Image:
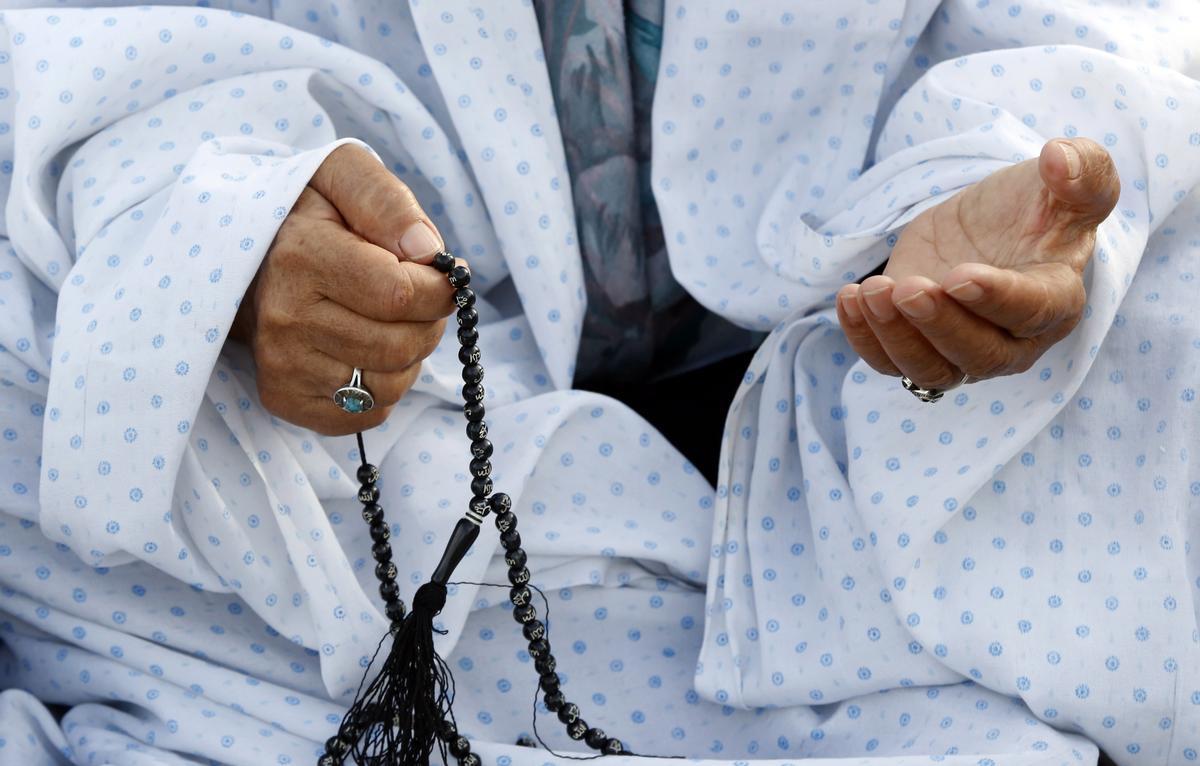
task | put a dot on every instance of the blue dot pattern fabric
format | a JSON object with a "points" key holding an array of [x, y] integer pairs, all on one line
{"points": [[1003, 578]]}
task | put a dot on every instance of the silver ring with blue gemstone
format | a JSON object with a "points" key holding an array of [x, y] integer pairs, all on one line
{"points": [[354, 396]]}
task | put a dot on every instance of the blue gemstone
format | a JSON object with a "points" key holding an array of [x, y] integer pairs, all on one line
{"points": [[352, 404]]}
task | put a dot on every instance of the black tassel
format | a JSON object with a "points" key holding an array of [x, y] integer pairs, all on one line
{"points": [[396, 719]]}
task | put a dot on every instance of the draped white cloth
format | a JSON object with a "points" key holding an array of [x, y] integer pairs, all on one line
{"points": [[1003, 578]]}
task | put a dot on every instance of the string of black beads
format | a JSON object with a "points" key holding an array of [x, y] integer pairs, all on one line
{"points": [[534, 630], [500, 505], [482, 503], [338, 746]]}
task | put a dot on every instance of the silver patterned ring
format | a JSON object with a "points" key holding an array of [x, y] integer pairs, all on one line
{"points": [[354, 396], [929, 395]]}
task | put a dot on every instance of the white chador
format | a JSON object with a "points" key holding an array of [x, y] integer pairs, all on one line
{"points": [[1004, 577]]}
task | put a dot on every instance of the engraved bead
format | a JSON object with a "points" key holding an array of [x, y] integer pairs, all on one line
{"points": [[460, 276], [481, 467], [381, 551], [469, 355], [533, 630], [472, 373], [481, 485], [501, 503], [468, 317], [479, 506], [519, 596], [464, 297], [569, 713], [510, 539], [524, 614], [595, 738], [555, 701], [472, 392], [515, 558], [380, 533], [468, 336], [443, 262], [368, 474], [477, 430], [372, 513]]}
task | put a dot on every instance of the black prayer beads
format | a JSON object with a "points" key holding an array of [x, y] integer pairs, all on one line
{"points": [[482, 504]]}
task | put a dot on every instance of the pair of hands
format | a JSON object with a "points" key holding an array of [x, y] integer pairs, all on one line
{"points": [[979, 285]]}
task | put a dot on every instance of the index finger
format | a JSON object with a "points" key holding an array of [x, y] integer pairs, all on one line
{"points": [[1046, 298], [371, 282]]}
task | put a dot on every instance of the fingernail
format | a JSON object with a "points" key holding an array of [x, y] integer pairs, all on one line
{"points": [[850, 308], [879, 302], [919, 305], [420, 241], [1072, 158], [966, 291]]}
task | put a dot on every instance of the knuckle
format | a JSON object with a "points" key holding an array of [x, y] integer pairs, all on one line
{"points": [[399, 383], [308, 198], [1076, 300], [995, 360], [342, 153], [933, 373], [400, 197], [336, 160], [944, 378], [1023, 363], [275, 319], [862, 340], [883, 368], [1036, 323], [401, 293], [291, 247], [386, 389], [395, 352]]}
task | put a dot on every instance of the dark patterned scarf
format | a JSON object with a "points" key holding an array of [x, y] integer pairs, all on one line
{"points": [[602, 56]]}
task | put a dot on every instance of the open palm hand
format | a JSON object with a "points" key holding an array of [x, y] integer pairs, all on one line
{"points": [[984, 283]]}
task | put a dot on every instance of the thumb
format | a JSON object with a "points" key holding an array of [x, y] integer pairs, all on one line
{"points": [[1081, 178], [376, 205]]}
